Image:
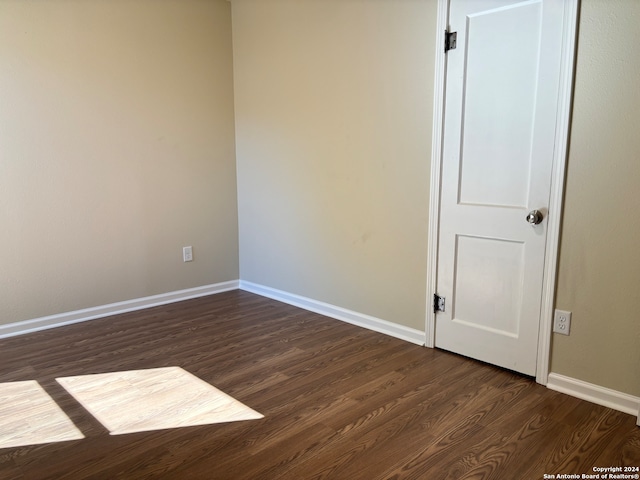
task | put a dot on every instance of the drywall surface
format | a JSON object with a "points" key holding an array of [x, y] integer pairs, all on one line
{"points": [[599, 270], [333, 127], [116, 150]]}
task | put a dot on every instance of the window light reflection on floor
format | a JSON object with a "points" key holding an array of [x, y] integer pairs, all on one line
{"points": [[154, 399], [29, 416], [124, 402]]}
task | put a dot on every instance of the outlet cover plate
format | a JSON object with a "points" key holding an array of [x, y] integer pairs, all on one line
{"points": [[562, 322]]}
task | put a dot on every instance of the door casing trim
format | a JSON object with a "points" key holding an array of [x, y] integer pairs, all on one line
{"points": [[563, 124]]}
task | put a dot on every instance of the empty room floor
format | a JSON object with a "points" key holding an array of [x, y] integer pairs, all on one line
{"points": [[312, 397]]}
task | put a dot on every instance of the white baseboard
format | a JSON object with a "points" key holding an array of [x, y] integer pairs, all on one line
{"points": [[360, 319], [51, 321], [586, 391], [606, 397]]}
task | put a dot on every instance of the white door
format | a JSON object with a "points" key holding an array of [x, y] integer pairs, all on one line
{"points": [[501, 104]]}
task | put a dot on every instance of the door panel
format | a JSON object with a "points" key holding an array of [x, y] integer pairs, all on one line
{"points": [[500, 82], [487, 268], [500, 112]]}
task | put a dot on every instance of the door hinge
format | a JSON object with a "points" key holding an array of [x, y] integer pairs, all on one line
{"points": [[438, 303], [450, 40]]}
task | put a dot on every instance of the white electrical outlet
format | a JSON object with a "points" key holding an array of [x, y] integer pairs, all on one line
{"points": [[562, 322], [187, 254]]}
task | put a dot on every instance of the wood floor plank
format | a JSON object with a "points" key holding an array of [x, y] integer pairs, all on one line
{"points": [[10, 470], [340, 402]]}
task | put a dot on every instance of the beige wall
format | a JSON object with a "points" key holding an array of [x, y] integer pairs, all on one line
{"points": [[116, 150], [599, 275], [333, 126]]}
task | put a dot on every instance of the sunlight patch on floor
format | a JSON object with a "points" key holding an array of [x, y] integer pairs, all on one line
{"points": [[29, 416], [153, 399]]}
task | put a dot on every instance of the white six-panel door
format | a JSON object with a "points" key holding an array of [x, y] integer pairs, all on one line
{"points": [[501, 104]]}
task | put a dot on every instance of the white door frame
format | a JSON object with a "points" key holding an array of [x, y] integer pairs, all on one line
{"points": [[557, 179]]}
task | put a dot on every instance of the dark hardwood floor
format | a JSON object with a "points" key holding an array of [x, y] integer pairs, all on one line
{"points": [[340, 402]]}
